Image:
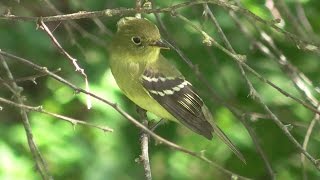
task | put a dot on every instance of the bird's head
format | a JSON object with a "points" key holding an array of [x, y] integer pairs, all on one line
{"points": [[138, 37]]}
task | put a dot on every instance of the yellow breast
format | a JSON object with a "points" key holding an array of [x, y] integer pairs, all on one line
{"points": [[127, 76]]}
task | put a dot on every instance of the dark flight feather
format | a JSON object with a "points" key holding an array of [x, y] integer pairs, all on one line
{"points": [[177, 96]]}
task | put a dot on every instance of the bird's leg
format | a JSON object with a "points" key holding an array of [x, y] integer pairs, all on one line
{"points": [[142, 112], [143, 118], [152, 125]]}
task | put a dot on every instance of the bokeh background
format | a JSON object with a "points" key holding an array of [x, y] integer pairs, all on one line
{"points": [[84, 153]]}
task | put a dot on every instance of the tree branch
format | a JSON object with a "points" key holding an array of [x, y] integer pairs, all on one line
{"points": [[73, 60], [40, 163], [40, 109], [300, 43], [305, 144], [144, 141]]}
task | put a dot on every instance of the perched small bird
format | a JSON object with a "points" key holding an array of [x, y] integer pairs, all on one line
{"points": [[151, 82]]}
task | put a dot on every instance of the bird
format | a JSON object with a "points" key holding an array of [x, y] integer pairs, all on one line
{"points": [[148, 79]]}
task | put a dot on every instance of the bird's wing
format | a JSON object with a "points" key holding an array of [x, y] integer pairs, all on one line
{"points": [[169, 88]]}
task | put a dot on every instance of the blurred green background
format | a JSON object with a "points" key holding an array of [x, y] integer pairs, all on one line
{"points": [[83, 152]]}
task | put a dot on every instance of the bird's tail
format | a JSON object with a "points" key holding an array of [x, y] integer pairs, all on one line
{"points": [[227, 141], [222, 135]]}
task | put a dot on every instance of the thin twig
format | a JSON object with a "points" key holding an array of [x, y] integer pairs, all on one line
{"points": [[298, 78], [292, 20], [303, 18], [73, 60], [77, 27], [305, 144], [31, 78], [40, 109], [138, 8], [102, 27], [40, 163], [259, 149]]}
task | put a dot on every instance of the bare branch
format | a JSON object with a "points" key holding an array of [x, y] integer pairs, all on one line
{"points": [[73, 121], [138, 8], [291, 19], [300, 43], [73, 60], [298, 78], [144, 141], [81, 30], [40, 163], [303, 18], [305, 144], [31, 78]]}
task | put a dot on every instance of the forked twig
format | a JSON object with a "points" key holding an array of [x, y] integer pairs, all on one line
{"points": [[73, 60]]}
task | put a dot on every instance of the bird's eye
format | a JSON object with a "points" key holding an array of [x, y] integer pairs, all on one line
{"points": [[136, 40]]}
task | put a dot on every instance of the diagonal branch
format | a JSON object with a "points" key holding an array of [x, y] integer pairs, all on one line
{"points": [[73, 60], [305, 144]]}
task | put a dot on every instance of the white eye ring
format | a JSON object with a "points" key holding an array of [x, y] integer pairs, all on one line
{"points": [[136, 40]]}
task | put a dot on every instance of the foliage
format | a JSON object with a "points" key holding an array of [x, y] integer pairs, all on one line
{"points": [[82, 152]]}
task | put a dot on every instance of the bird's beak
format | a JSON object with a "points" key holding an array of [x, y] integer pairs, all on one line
{"points": [[159, 43]]}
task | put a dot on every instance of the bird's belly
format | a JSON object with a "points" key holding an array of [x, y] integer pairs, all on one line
{"points": [[136, 93], [128, 82]]}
